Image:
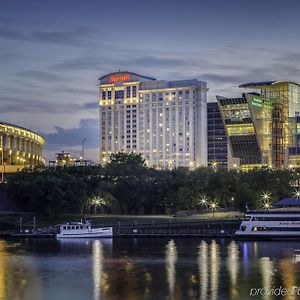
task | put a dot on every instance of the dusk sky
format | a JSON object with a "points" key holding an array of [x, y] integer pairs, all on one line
{"points": [[53, 52]]}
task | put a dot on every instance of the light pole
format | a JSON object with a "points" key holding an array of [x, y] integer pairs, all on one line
{"points": [[213, 207], [82, 152]]}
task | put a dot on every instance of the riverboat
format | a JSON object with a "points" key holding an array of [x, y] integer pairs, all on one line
{"points": [[83, 230], [270, 224]]}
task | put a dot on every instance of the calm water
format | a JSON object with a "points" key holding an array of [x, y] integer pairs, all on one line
{"points": [[129, 269]]}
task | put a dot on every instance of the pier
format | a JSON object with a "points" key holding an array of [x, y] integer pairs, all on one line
{"points": [[199, 228], [203, 228]]}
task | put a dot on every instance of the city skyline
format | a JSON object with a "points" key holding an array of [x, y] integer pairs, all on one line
{"points": [[52, 55]]}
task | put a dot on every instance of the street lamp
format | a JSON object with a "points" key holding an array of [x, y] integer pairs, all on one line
{"points": [[213, 206], [82, 152], [214, 165], [203, 200], [297, 194], [266, 196]]}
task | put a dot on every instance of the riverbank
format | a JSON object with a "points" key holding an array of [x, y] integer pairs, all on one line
{"points": [[153, 228]]}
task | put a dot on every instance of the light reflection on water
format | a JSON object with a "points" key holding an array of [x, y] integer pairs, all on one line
{"points": [[97, 268], [171, 259], [144, 269], [203, 269]]}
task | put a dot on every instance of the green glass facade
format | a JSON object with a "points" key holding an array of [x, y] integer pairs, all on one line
{"points": [[262, 127]]}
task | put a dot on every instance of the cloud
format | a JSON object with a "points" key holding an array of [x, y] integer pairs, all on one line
{"points": [[69, 37], [218, 78], [14, 105], [76, 90], [156, 61], [91, 105], [40, 75], [62, 37], [64, 138]]}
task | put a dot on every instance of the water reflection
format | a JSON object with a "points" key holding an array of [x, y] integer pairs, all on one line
{"points": [[3, 271], [267, 272], [203, 269], [145, 269], [97, 268], [18, 279], [287, 271], [214, 269], [209, 269], [233, 267], [171, 259]]}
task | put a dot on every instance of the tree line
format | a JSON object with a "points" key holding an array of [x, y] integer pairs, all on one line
{"points": [[127, 186]]}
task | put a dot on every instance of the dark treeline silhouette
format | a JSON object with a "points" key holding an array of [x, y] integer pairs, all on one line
{"points": [[127, 186]]}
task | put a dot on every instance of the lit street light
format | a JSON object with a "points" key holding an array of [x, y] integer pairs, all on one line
{"points": [[267, 206], [297, 194], [213, 206]]}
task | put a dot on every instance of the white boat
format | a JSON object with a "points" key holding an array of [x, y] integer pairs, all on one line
{"points": [[83, 230], [270, 224]]}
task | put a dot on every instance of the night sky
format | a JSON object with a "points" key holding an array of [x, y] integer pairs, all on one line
{"points": [[52, 53]]}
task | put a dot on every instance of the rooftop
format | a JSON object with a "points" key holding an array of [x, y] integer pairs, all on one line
{"points": [[263, 84]]}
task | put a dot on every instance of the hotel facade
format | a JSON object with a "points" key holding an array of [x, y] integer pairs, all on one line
{"points": [[165, 121], [263, 127]]}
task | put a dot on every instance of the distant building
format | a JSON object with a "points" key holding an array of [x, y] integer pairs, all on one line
{"points": [[165, 121], [263, 128], [19, 148], [65, 159], [217, 146]]}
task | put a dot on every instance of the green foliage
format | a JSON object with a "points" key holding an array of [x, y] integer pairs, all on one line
{"points": [[127, 186]]}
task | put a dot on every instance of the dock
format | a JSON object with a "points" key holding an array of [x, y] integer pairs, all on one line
{"points": [[175, 228]]}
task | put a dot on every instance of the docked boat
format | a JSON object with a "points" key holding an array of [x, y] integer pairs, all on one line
{"points": [[83, 230], [270, 224]]}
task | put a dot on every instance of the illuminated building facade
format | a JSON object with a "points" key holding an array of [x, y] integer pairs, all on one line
{"points": [[19, 148], [263, 128], [165, 121], [65, 159], [217, 146]]}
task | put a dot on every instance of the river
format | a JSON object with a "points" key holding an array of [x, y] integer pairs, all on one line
{"points": [[129, 269]]}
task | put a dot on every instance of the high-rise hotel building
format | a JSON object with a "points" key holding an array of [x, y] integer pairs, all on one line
{"points": [[165, 121]]}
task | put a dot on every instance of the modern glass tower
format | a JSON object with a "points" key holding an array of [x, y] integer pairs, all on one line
{"points": [[163, 120], [262, 127], [217, 146]]}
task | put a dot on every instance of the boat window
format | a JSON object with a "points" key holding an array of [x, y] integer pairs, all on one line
{"points": [[68, 227], [73, 227], [64, 227], [267, 218], [254, 228], [247, 218], [243, 227], [81, 226]]}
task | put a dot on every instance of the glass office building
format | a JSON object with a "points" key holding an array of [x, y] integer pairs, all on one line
{"points": [[217, 146], [262, 127]]}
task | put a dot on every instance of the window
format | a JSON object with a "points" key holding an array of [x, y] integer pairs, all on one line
{"points": [[128, 92], [119, 94], [134, 91], [103, 95], [109, 95]]}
